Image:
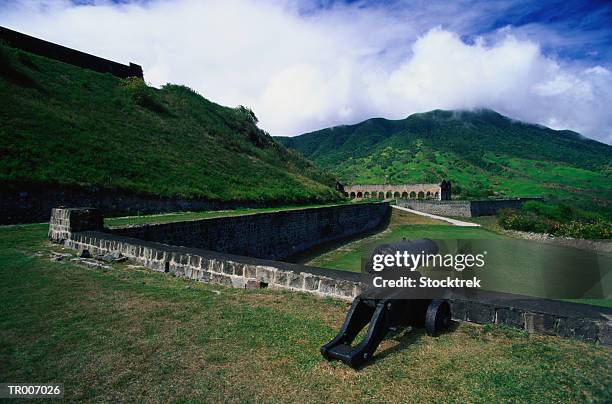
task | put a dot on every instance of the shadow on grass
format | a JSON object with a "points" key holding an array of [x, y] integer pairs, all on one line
{"points": [[405, 337]]}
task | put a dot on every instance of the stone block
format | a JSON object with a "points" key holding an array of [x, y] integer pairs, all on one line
{"points": [[584, 329], [228, 268], [295, 280], [459, 310], [254, 284], [510, 317], [250, 271], [540, 323], [265, 274], [327, 285], [239, 269], [345, 288], [480, 313], [238, 282], [221, 279], [311, 282], [605, 332], [281, 278]]}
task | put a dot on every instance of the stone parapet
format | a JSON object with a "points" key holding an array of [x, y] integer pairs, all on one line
{"points": [[65, 221]]}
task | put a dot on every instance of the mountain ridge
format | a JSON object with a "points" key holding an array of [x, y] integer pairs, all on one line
{"points": [[482, 152]]}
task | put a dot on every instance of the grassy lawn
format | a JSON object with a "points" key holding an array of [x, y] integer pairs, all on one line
{"points": [[130, 334]]}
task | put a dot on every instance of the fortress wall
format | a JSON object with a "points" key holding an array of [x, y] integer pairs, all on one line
{"points": [[275, 235], [463, 208], [565, 319], [33, 204], [67, 55], [441, 208]]}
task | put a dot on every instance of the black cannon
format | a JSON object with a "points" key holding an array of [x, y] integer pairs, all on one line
{"points": [[386, 313]]}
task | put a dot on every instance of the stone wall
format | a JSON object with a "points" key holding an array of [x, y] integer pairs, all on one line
{"points": [[65, 221], [441, 208], [276, 235], [463, 208], [31, 203], [231, 270], [565, 319], [67, 55]]}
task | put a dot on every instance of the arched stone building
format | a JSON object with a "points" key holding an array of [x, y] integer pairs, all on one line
{"points": [[441, 191]]}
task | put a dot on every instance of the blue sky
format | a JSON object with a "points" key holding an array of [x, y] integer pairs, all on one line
{"points": [[303, 65]]}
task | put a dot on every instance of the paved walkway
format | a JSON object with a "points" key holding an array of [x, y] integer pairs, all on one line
{"points": [[445, 219]]}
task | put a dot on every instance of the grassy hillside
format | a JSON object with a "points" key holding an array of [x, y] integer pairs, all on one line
{"points": [[61, 124], [483, 153]]}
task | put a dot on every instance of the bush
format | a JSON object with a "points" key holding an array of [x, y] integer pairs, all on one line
{"points": [[142, 94], [577, 229], [527, 220]]}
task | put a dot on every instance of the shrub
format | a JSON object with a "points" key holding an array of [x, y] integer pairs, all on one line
{"points": [[529, 221], [526, 221], [142, 94], [577, 229]]}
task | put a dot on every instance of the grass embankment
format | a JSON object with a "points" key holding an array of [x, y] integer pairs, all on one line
{"points": [[130, 334], [61, 124]]}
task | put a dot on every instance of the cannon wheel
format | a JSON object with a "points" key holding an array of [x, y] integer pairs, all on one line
{"points": [[438, 317]]}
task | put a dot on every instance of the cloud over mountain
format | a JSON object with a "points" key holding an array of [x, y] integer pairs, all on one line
{"points": [[302, 66]]}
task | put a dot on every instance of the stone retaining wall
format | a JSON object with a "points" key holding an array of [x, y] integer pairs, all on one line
{"points": [[275, 235], [463, 208], [31, 203], [544, 316]]}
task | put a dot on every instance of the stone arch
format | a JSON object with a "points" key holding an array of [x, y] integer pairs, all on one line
{"points": [[353, 195], [381, 195], [412, 195], [405, 195], [366, 195], [359, 194], [421, 195], [428, 195], [389, 195], [396, 194]]}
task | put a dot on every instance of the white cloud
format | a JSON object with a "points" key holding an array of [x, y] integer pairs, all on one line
{"points": [[302, 71]]}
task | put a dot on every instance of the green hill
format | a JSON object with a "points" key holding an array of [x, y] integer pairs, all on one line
{"points": [[483, 153], [60, 124]]}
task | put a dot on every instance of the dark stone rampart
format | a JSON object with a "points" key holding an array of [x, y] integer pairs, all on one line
{"points": [[71, 56]]}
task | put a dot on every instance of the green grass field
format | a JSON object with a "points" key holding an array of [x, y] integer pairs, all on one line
{"points": [[128, 334]]}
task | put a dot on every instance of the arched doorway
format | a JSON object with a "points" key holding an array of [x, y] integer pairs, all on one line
{"points": [[404, 195], [413, 195], [359, 194], [352, 195], [421, 195]]}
